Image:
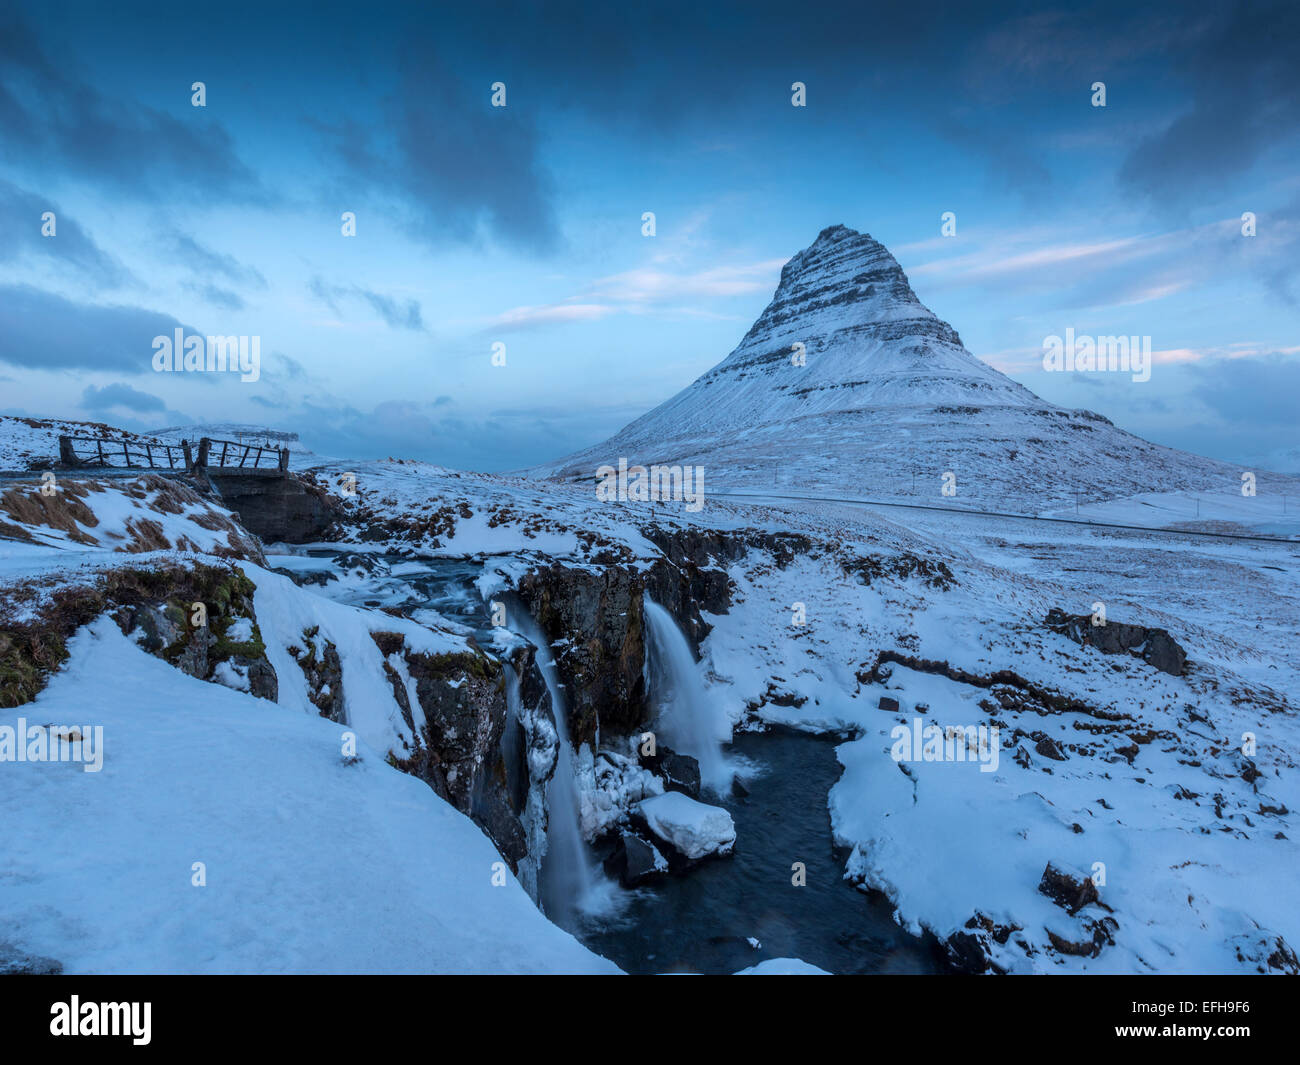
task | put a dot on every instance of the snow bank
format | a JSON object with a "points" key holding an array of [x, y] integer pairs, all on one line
{"points": [[311, 864]]}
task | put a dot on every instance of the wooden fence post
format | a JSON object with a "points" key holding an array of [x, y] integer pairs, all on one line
{"points": [[67, 456], [284, 459], [205, 445]]}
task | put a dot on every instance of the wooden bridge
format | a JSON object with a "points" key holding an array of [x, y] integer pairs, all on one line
{"points": [[211, 456]]}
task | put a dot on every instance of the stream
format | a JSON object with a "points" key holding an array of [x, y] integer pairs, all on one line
{"points": [[728, 913], [703, 922]]}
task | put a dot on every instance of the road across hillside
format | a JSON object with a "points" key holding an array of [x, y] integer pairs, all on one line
{"points": [[962, 511]]}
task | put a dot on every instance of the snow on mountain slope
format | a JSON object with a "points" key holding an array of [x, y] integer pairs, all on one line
{"points": [[887, 394], [312, 864]]}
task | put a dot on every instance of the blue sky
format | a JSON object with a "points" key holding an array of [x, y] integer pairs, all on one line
{"points": [[522, 225]]}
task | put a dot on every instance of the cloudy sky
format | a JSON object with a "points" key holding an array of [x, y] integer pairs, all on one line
{"points": [[522, 225]]}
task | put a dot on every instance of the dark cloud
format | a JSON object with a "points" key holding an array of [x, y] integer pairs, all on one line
{"points": [[1241, 76], [71, 245], [45, 331], [120, 395], [403, 314], [47, 113], [465, 168]]}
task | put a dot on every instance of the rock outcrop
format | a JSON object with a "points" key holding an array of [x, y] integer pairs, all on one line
{"points": [[596, 617], [1154, 646]]}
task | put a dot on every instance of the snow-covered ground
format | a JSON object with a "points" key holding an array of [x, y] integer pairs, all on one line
{"points": [[225, 834], [950, 844], [1272, 513], [1176, 793], [1197, 855]]}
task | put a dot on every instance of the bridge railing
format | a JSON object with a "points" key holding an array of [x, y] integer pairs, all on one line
{"points": [[123, 454], [231, 454], [224, 455]]}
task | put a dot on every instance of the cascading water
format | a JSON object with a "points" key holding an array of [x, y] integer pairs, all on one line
{"points": [[687, 720], [565, 874]]}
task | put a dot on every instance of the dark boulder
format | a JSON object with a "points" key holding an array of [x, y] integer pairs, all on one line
{"points": [[679, 772], [635, 861], [1154, 646], [1049, 748], [1068, 887]]}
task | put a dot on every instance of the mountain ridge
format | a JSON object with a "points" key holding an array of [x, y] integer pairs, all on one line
{"points": [[846, 376]]}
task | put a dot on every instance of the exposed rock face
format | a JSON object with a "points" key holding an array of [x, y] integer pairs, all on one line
{"points": [[1085, 940], [278, 509], [973, 951], [219, 642], [460, 752], [598, 619], [679, 772], [319, 661], [1154, 646], [1049, 748]]}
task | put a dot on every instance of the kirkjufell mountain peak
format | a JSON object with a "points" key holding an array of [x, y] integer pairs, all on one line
{"points": [[847, 382]]}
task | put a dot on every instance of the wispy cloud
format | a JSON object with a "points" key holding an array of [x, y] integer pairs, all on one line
{"points": [[70, 245], [519, 318], [396, 313], [651, 289]]}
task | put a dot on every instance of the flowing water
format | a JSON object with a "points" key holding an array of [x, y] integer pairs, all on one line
{"points": [[686, 719], [702, 921], [566, 875]]}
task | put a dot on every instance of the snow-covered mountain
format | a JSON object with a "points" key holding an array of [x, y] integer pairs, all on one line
{"points": [[883, 402]]}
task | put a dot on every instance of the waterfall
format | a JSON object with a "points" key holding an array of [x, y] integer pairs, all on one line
{"points": [[565, 875], [531, 804], [688, 721]]}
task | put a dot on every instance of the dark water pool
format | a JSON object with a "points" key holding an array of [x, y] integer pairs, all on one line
{"points": [[701, 922]]}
